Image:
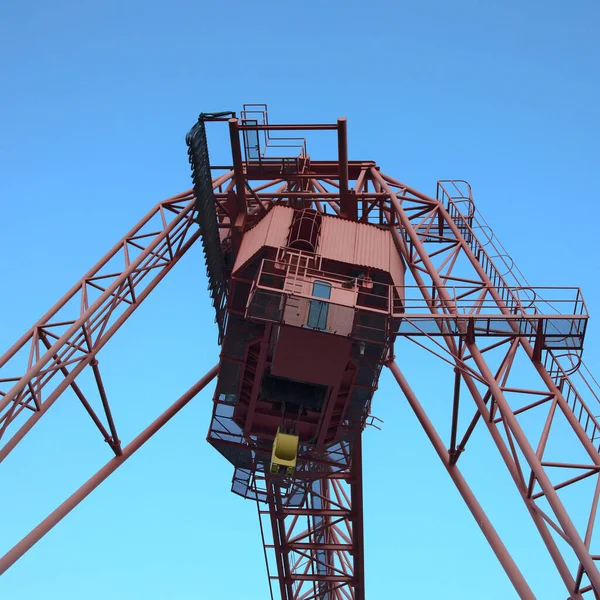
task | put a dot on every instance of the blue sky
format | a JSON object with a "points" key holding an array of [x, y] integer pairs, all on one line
{"points": [[96, 100]]}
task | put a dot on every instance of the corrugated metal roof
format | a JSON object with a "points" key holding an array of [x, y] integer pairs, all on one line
{"points": [[280, 226], [372, 247], [337, 239], [357, 243], [397, 268], [272, 230]]}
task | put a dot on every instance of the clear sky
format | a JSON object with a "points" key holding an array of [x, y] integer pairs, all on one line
{"points": [[96, 98]]}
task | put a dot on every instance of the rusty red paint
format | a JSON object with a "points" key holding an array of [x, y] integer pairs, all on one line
{"points": [[387, 229], [272, 231], [360, 244], [307, 355]]}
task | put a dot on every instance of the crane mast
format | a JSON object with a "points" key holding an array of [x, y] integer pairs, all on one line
{"points": [[321, 273]]}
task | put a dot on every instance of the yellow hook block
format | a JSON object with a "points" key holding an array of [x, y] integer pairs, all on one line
{"points": [[285, 452]]}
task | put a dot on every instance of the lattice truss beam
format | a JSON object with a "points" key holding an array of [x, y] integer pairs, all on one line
{"points": [[62, 346], [312, 533], [514, 351], [518, 385]]}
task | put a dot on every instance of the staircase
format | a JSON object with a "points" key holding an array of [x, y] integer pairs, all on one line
{"points": [[248, 376], [549, 360]]}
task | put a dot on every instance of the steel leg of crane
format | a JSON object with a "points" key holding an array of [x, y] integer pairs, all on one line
{"points": [[534, 462], [542, 527], [539, 522], [110, 467], [506, 560], [157, 253], [318, 545], [346, 209]]}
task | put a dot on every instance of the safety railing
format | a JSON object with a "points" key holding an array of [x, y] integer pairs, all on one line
{"points": [[580, 408], [465, 226], [563, 368], [474, 299], [362, 308], [295, 278], [260, 146]]}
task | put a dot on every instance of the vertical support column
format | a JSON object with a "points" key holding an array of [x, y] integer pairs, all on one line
{"points": [[317, 536], [504, 451], [346, 208], [357, 519], [238, 170]]}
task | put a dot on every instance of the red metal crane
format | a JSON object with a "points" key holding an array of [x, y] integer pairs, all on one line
{"points": [[319, 271]]}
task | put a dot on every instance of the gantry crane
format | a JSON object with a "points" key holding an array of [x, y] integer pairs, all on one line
{"points": [[320, 272]]}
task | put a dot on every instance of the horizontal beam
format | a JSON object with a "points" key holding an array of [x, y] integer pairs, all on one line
{"points": [[318, 546], [290, 127], [317, 577], [288, 194], [316, 512]]}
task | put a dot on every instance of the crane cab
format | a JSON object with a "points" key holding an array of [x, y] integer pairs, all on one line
{"points": [[310, 321]]}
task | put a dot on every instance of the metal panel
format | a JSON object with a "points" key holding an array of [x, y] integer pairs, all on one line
{"points": [[296, 310], [360, 244], [310, 356], [272, 230], [253, 240], [337, 239], [397, 268], [372, 247], [340, 320], [279, 228]]}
